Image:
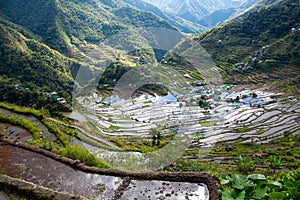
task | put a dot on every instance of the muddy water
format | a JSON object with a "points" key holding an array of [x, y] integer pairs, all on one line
{"points": [[41, 170], [32, 119], [44, 171], [160, 190], [17, 133]]}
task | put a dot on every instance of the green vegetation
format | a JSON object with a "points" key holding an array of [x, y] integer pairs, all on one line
{"points": [[82, 154], [235, 41], [245, 165], [290, 185], [110, 119], [143, 145], [35, 131], [275, 163], [147, 102], [241, 187], [44, 52], [24, 110], [280, 154], [284, 185], [59, 130], [244, 129], [45, 144], [250, 33], [207, 124], [196, 75], [115, 128], [72, 28], [260, 131], [63, 24], [134, 144], [24, 58], [263, 183], [62, 132]]}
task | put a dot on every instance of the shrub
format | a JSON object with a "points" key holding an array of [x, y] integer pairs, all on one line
{"points": [[260, 131], [251, 187], [245, 165], [115, 128]]}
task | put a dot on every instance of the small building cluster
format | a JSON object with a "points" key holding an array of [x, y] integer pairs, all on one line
{"points": [[50, 95], [258, 57], [19, 87], [54, 95]]}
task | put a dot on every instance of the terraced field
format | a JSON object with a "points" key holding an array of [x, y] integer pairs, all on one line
{"points": [[256, 119], [250, 119], [60, 176]]}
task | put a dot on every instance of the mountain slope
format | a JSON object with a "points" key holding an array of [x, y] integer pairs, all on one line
{"points": [[38, 60], [217, 17], [28, 68], [44, 43], [181, 23], [61, 24], [40, 17], [203, 12], [262, 42]]}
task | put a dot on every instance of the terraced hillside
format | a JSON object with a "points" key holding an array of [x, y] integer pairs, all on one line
{"points": [[49, 175], [258, 44], [238, 116]]}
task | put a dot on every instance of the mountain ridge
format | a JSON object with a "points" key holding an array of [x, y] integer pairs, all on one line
{"points": [[200, 12], [182, 24]]}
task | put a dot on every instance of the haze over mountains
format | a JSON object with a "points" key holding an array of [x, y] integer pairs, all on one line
{"points": [[205, 13]]}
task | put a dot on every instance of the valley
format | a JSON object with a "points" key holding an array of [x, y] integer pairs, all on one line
{"points": [[132, 99]]}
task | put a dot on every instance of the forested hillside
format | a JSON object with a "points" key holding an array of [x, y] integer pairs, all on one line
{"points": [[62, 24], [266, 40], [29, 68], [41, 40], [44, 43]]}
